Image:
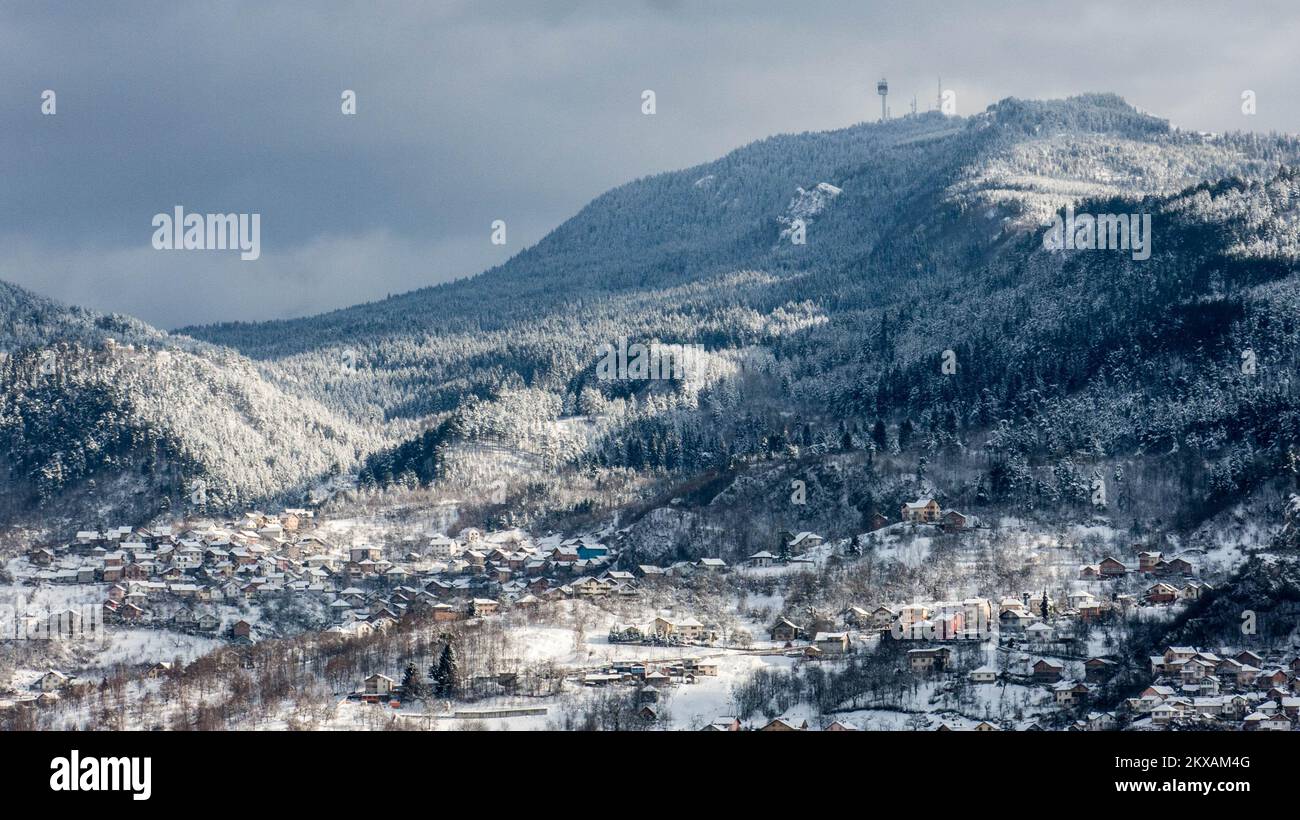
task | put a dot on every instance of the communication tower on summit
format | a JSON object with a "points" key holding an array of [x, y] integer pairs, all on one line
{"points": [[882, 88]]}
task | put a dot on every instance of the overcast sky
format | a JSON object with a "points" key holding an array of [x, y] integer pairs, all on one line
{"points": [[469, 112]]}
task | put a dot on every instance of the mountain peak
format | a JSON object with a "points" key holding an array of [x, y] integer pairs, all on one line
{"points": [[1091, 112]]}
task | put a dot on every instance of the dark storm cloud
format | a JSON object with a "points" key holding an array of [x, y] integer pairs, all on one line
{"points": [[470, 112]]}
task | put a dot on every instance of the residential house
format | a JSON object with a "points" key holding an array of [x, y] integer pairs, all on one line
{"points": [[1069, 693], [920, 511], [805, 541], [1193, 590], [1264, 722], [882, 617], [1148, 560], [832, 643], [1112, 568], [1165, 713], [856, 616], [440, 546], [724, 724], [927, 660], [1161, 593], [688, 629], [1040, 634], [590, 587], [1014, 621], [1248, 657], [785, 630], [1047, 671], [954, 521], [378, 684], [1096, 670], [53, 680], [784, 725]]}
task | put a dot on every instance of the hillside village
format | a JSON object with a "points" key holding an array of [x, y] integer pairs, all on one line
{"points": [[1198, 689], [268, 577], [636, 565], [177, 576]]}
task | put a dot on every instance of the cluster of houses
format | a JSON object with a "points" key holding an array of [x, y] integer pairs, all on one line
{"points": [[1247, 690], [794, 552], [1033, 622], [176, 576], [927, 511], [1176, 574], [656, 674], [780, 724], [1190, 688], [665, 631], [819, 643], [1067, 693], [46, 688], [1034, 619]]}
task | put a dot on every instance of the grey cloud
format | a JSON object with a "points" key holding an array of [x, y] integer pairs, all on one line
{"points": [[470, 112]]}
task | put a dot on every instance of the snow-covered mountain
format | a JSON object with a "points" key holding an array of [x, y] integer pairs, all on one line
{"points": [[922, 236], [104, 417]]}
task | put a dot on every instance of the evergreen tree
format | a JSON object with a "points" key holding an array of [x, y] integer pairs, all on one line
{"points": [[783, 546], [904, 434], [413, 686], [878, 434], [445, 676]]}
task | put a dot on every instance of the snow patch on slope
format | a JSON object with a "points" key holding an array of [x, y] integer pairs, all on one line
{"points": [[810, 203]]}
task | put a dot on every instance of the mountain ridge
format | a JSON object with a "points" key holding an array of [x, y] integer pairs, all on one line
{"points": [[931, 235]]}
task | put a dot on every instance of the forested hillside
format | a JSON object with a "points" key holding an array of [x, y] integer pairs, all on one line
{"points": [[103, 418], [923, 236]]}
